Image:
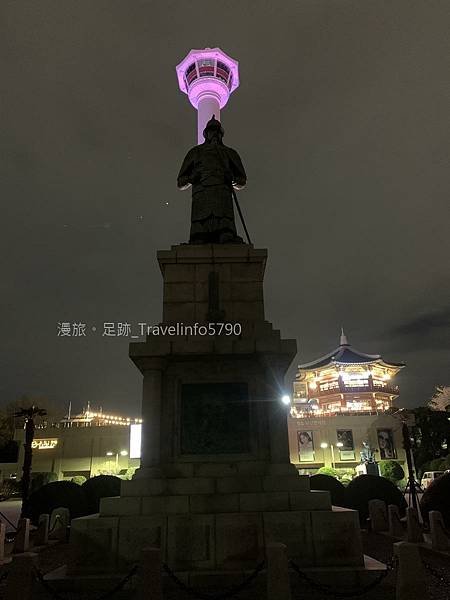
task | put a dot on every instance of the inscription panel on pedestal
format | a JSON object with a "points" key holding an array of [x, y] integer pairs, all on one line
{"points": [[215, 418]]}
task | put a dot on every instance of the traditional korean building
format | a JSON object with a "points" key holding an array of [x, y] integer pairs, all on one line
{"points": [[341, 402]]}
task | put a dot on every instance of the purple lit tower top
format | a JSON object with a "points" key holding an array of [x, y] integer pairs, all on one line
{"points": [[208, 77]]}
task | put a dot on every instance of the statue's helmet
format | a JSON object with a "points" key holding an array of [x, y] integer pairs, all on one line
{"points": [[214, 125]]}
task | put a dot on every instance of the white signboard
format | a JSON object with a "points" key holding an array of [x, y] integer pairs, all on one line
{"points": [[135, 440]]}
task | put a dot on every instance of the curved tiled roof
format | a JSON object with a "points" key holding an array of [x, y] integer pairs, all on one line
{"points": [[346, 355]]}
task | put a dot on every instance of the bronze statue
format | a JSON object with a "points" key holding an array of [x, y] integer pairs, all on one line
{"points": [[213, 170]]}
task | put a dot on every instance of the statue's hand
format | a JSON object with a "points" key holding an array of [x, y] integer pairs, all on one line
{"points": [[238, 185], [183, 183]]}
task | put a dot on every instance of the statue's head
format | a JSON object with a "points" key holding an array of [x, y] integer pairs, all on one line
{"points": [[213, 130]]}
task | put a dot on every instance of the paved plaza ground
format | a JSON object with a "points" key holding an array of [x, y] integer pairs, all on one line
{"points": [[376, 545]]}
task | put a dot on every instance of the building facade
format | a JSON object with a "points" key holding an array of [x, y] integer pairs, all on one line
{"points": [[91, 443], [342, 403]]}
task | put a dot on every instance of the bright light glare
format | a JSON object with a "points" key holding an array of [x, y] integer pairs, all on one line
{"points": [[135, 440], [339, 444], [286, 399], [109, 453], [124, 453], [324, 445]]}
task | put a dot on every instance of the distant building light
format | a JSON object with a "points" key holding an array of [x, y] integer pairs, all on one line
{"points": [[135, 440], [43, 444]]}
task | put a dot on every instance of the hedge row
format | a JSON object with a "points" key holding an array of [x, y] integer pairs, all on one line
{"points": [[81, 500], [359, 491]]}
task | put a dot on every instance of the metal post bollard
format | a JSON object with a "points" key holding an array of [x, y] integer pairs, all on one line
{"points": [[2, 542], [22, 541], [41, 538], [150, 580], [411, 577], [414, 533], [278, 583], [440, 539], [395, 525]]}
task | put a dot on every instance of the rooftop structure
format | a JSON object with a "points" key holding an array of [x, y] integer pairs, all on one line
{"points": [[345, 380], [90, 418]]}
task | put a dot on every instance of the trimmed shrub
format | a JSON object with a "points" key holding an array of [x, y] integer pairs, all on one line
{"points": [[329, 484], [128, 473], [60, 493], [371, 487], [437, 497], [101, 486], [40, 479], [78, 479], [328, 471], [392, 470]]}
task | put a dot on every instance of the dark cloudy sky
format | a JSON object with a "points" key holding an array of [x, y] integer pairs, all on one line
{"points": [[342, 122]]}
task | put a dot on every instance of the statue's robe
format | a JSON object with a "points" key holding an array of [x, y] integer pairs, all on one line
{"points": [[212, 169]]}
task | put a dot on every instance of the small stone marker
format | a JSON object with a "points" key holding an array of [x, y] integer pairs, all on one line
{"points": [[150, 581], [22, 540], [41, 537], [378, 515], [414, 533], [278, 584], [396, 528], [440, 538], [411, 576], [20, 580], [59, 521]]}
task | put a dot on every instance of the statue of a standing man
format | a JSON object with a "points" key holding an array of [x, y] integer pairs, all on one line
{"points": [[212, 169]]}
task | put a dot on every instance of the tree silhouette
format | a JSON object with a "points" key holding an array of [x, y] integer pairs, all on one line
{"points": [[28, 414]]}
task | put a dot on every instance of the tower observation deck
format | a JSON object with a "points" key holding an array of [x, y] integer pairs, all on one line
{"points": [[208, 77]]}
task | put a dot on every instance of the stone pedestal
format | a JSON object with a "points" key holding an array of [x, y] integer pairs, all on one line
{"points": [[216, 484]]}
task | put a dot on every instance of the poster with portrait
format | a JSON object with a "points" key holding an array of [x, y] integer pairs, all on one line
{"points": [[347, 450], [305, 446], [386, 443]]}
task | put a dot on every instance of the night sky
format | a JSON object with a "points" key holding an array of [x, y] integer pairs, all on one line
{"points": [[341, 120]]}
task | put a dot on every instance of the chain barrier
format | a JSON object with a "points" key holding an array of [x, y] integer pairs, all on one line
{"points": [[58, 596], [331, 590], [3, 516], [229, 593], [57, 520], [436, 573]]}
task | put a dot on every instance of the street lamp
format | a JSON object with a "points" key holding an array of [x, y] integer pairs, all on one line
{"points": [[324, 445], [286, 399], [116, 453]]}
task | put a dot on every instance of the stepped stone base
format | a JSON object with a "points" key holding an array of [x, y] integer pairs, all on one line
{"points": [[217, 523]]}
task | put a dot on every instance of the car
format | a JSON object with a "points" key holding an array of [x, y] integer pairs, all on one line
{"points": [[430, 476]]}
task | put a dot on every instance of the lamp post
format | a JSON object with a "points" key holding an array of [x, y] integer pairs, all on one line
{"points": [[116, 453], [324, 445]]}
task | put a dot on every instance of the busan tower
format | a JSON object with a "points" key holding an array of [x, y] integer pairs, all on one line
{"points": [[208, 77]]}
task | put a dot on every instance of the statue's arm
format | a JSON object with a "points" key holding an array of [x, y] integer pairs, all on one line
{"points": [[237, 168], [185, 175]]}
